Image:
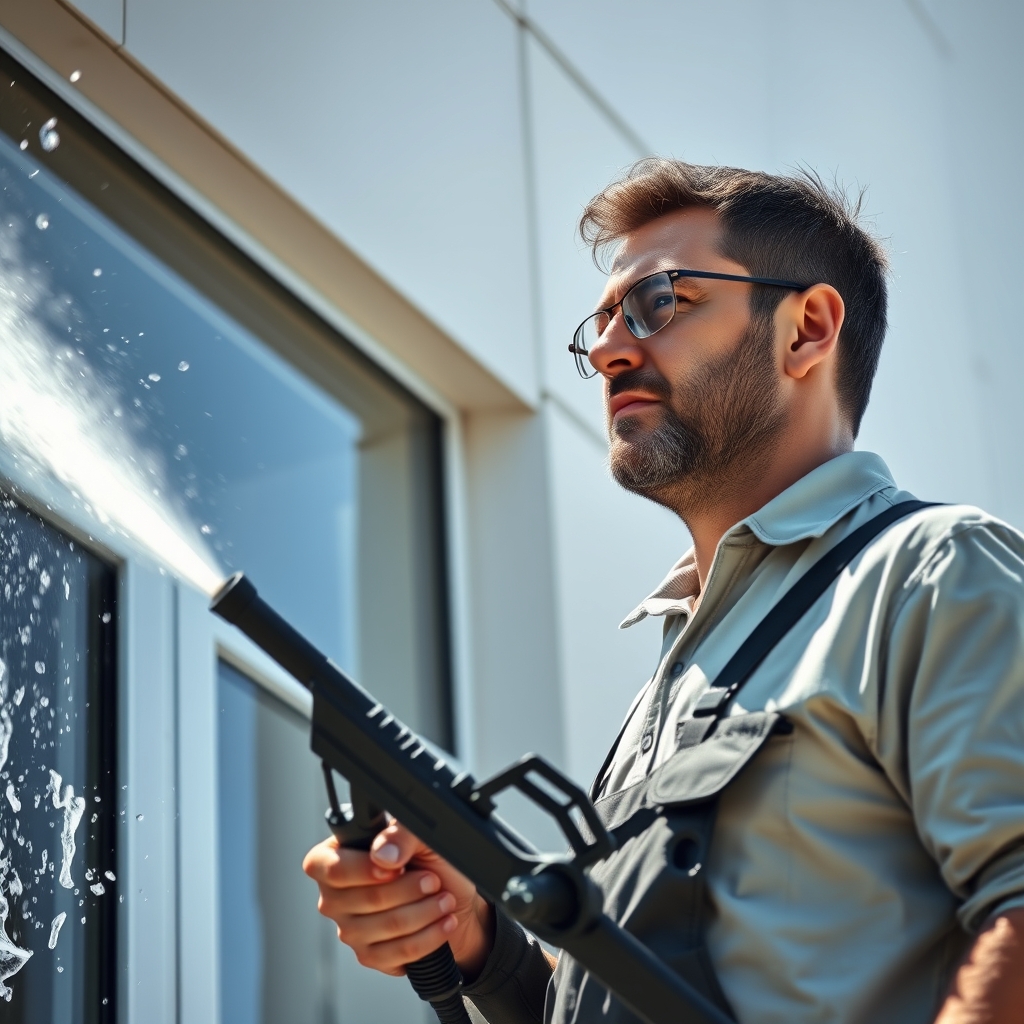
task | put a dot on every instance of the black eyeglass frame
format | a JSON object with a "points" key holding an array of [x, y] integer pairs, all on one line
{"points": [[581, 353]]}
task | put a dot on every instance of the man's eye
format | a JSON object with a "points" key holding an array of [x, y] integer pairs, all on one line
{"points": [[661, 301]]}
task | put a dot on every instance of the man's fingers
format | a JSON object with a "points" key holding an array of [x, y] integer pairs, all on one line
{"points": [[359, 930], [392, 955], [335, 866], [395, 847], [408, 888]]}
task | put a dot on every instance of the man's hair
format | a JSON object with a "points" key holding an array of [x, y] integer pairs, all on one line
{"points": [[792, 227]]}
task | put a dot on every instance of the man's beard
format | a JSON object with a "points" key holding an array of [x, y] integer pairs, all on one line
{"points": [[732, 414]]}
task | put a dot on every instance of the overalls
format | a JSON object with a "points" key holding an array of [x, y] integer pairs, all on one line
{"points": [[654, 881]]}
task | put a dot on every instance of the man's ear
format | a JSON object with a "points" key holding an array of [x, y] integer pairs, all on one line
{"points": [[810, 322]]}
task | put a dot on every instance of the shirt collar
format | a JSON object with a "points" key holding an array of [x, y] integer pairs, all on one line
{"points": [[806, 509]]}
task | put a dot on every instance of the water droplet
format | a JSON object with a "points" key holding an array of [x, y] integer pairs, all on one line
{"points": [[181, 451], [205, 529], [105, 617], [60, 970], [48, 137], [154, 377], [98, 272], [42, 222], [98, 888], [55, 927], [23, 145], [40, 667], [74, 76], [139, 817], [74, 807], [109, 875], [183, 366], [44, 702]]}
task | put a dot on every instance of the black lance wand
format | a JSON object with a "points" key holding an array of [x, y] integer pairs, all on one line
{"points": [[389, 767]]}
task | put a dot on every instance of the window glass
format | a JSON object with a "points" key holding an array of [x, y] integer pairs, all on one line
{"points": [[58, 880], [147, 384], [278, 965]]}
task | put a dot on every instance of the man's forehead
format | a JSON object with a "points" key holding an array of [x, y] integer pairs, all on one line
{"points": [[686, 238]]}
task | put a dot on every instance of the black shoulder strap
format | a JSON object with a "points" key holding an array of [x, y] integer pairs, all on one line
{"points": [[786, 614]]}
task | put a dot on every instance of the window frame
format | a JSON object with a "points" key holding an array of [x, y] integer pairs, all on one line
{"points": [[169, 644]]}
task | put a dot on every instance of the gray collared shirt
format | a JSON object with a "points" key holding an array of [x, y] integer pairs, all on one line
{"points": [[852, 859]]}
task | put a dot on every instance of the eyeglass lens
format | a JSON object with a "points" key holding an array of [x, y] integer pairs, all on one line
{"points": [[647, 307]]}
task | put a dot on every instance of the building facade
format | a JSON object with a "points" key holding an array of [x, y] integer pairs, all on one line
{"points": [[287, 288]]}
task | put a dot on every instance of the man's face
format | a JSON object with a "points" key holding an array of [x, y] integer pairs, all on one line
{"points": [[700, 395]]}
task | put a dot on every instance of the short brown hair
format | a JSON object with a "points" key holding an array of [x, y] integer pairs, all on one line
{"points": [[792, 227]]}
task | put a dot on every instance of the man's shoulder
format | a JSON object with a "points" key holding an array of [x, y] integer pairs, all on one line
{"points": [[956, 539]]}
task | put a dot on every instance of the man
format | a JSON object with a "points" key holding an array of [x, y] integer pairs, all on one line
{"points": [[867, 864]]}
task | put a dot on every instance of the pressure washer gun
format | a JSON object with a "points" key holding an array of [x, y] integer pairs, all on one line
{"points": [[389, 767]]}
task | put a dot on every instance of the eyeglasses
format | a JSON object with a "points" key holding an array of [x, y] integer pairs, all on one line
{"points": [[647, 307]]}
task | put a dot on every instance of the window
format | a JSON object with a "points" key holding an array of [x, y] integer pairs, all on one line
{"points": [[58, 865], [185, 413]]}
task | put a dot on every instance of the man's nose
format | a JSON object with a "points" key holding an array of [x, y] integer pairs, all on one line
{"points": [[616, 350]]}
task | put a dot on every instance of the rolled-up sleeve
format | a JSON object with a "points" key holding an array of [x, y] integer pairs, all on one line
{"points": [[951, 720]]}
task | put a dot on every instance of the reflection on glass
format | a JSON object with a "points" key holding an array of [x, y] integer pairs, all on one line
{"points": [[281, 961], [148, 391], [58, 878], [162, 393]]}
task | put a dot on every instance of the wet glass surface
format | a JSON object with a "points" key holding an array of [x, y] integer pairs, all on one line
{"points": [[129, 386], [58, 869]]}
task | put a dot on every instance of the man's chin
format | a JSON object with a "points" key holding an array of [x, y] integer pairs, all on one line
{"points": [[639, 468]]}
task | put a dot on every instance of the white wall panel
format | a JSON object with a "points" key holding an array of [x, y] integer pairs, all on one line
{"points": [[107, 15], [692, 79], [983, 100], [513, 611], [576, 152], [612, 549], [396, 124]]}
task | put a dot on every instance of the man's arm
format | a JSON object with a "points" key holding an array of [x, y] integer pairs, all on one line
{"points": [[989, 985]]}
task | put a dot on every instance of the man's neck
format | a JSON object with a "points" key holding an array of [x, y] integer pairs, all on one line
{"points": [[710, 509]]}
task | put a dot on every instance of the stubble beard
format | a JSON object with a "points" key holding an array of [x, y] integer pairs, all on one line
{"points": [[732, 415]]}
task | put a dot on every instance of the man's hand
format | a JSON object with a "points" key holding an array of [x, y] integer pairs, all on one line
{"points": [[400, 902], [989, 986]]}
